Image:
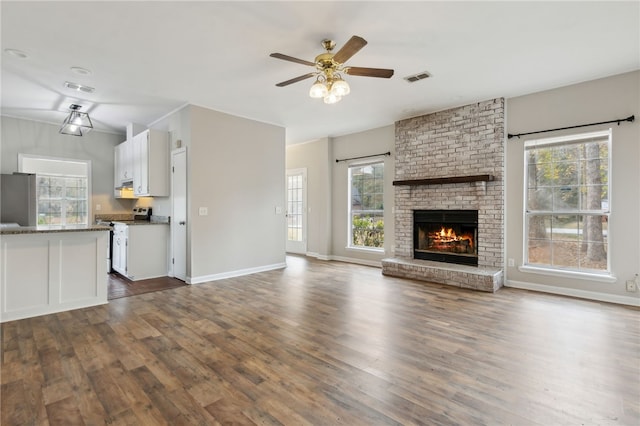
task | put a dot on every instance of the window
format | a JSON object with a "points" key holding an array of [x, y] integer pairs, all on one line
{"points": [[62, 189], [366, 206], [567, 203]]}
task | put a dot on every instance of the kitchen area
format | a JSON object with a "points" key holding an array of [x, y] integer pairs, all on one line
{"points": [[63, 245]]}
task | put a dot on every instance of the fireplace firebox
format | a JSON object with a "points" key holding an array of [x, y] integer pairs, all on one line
{"points": [[446, 236]]}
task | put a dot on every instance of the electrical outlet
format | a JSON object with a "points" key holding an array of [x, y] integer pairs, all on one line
{"points": [[631, 286], [203, 211]]}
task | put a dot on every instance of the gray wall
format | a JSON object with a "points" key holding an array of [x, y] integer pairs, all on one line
{"points": [[31, 137], [593, 101]]}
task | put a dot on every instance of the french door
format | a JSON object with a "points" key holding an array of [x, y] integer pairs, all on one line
{"points": [[297, 211]]}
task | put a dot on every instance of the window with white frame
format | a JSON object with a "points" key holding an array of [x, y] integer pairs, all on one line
{"points": [[366, 205], [567, 202], [62, 189]]}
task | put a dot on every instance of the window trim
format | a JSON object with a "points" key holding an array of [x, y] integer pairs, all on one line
{"points": [[361, 163], [583, 274], [86, 163]]}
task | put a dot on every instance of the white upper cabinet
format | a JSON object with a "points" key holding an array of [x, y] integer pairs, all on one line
{"points": [[151, 164], [123, 154]]}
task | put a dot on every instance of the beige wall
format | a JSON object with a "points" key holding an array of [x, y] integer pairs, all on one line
{"points": [[316, 157], [327, 191], [593, 101], [21, 136]]}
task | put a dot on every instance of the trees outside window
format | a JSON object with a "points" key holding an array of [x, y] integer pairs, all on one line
{"points": [[366, 206], [567, 202]]}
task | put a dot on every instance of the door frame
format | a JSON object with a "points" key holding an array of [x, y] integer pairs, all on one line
{"points": [[173, 221], [295, 246]]}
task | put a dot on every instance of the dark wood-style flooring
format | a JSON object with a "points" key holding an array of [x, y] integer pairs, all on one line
{"points": [[325, 343], [119, 286]]}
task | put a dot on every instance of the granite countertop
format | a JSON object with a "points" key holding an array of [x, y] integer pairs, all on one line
{"points": [[140, 222], [52, 228]]}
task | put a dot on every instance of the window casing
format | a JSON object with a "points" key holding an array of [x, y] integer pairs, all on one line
{"points": [[567, 203], [366, 206], [62, 189]]}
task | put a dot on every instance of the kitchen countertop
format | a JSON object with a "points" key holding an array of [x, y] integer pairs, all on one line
{"points": [[52, 228], [139, 222]]}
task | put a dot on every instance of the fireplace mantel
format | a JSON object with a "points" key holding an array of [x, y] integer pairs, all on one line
{"points": [[445, 180]]}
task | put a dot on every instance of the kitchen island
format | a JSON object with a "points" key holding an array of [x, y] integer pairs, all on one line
{"points": [[48, 269]]}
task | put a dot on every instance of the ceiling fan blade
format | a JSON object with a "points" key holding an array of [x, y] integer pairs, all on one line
{"points": [[352, 47], [292, 59], [369, 72], [295, 80]]}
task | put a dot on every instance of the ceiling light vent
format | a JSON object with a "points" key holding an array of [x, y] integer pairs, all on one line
{"points": [[416, 77], [78, 87]]}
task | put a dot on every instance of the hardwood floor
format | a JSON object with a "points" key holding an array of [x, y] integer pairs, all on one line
{"points": [[119, 286], [325, 343]]}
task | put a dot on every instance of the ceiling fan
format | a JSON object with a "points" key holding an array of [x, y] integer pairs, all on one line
{"points": [[329, 83]]}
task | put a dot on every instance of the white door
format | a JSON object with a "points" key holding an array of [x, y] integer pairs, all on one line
{"points": [[297, 211], [179, 213]]}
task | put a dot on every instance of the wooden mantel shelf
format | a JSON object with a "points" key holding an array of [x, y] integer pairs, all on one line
{"points": [[444, 180]]}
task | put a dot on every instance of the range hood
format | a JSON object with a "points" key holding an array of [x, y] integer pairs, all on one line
{"points": [[126, 185]]}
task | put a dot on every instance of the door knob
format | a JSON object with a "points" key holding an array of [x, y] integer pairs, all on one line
{"points": [[182, 222]]}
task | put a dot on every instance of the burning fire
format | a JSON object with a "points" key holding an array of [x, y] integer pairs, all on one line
{"points": [[448, 235]]}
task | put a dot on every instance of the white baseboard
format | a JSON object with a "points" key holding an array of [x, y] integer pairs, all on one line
{"points": [[375, 263], [237, 273], [582, 294]]}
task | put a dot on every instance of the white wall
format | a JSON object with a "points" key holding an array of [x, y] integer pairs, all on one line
{"points": [[594, 101], [21, 136], [316, 157]]}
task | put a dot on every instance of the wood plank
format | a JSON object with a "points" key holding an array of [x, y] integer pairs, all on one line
{"points": [[325, 343]]}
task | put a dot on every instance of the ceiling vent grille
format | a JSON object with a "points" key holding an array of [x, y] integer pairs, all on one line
{"points": [[78, 87], [417, 77]]}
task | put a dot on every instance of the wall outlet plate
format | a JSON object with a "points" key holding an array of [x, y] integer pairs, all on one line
{"points": [[631, 286]]}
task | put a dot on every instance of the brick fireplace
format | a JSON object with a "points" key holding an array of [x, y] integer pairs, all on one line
{"points": [[451, 161]]}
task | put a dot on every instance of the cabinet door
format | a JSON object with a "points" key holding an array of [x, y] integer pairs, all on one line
{"points": [[141, 164], [116, 166], [126, 163]]}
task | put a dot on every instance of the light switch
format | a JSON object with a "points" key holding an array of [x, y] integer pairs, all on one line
{"points": [[98, 207], [278, 210], [203, 211]]}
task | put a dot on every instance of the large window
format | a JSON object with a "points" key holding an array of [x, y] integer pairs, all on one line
{"points": [[366, 206], [567, 202], [62, 189]]}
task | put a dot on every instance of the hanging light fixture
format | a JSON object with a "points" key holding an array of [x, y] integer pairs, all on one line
{"points": [[330, 86], [77, 123]]}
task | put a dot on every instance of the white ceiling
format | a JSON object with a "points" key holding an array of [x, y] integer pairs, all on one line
{"points": [[149, 58]]}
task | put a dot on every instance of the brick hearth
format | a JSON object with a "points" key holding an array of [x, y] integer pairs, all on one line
{"points": [[459, 142]]}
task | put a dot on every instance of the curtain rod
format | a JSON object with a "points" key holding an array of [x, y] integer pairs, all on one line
{"points": [[629, 119], [364, 156]]}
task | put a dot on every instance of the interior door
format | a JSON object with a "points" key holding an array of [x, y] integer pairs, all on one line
{"points": [[297, 211], [179, 213]]}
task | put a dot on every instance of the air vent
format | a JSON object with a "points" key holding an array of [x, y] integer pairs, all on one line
{"points": [[78, 87], [416, 77]]}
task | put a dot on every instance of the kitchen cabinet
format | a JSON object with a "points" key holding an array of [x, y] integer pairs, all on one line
{"points": [[140, 251], [151, 164], [123, 162]]}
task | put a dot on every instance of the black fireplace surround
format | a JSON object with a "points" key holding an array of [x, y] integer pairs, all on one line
{"points": [[446, 236]]}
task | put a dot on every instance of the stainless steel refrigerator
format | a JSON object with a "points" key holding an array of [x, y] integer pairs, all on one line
{"points": [[18, 199]]}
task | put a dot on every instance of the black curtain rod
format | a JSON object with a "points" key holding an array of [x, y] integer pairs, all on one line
{"points": [[364, 156], [629, 119]]}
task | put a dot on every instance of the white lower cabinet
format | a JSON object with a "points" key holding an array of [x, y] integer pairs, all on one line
{"points": [[140, 251]]}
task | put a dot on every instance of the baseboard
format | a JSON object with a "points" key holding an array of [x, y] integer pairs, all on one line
{"points": [[375, 263], [232, 274], [581, 294]]}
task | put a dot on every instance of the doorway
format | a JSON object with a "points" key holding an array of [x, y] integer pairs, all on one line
{"points": [[296, 211]]}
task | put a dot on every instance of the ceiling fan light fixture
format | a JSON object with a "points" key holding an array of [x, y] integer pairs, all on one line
{"points": [[340, 87], [318, 90], [332, 98]]}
